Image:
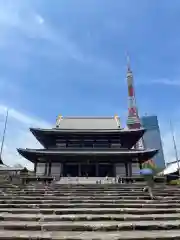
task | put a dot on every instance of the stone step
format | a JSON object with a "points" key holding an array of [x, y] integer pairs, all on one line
{"points": [[56, 211], [114, 235], [144, 197], [94, 186], [141, 197], [89, 201], [130, 194], [103, 188], [99, 195], [85, 191], [94, 205], [87, 217], [90, 225], [119, 187], [106, 198], [90, 190]]}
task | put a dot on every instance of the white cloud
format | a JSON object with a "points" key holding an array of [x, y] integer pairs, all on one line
{"points": [[21, 18], [39, 19], [18, 135], [165, 81]]}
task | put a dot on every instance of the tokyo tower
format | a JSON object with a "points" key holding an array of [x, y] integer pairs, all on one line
{"points": [[133, 120]]}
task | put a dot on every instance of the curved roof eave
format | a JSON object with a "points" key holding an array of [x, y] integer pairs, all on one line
{"points": [[33, 154], [80, 151], [59, 130]]}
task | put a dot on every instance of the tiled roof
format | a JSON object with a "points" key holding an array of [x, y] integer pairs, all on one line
{"points": [[88, 123]]}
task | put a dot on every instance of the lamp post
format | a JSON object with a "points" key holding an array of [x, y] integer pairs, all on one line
{"points": [[4, 133], [175, 148]]}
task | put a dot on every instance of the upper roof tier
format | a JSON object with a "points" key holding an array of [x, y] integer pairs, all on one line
{"points": [[50, 137], [88, 123]]}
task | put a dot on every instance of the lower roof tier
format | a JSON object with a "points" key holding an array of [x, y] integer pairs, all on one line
{"points": [[120, 155]]}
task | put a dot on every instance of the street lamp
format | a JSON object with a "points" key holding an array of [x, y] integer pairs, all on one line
{"points": [[175, 148]]}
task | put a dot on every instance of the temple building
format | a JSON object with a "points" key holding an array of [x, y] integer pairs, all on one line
{"points": [[87, 146]]}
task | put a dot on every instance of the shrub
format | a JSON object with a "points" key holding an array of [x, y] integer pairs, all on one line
{"points": [[175, 182]]}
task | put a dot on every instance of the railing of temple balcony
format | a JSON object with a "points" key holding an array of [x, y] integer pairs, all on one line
{"points": [[88, 144], [99, 148], [85, 149]]}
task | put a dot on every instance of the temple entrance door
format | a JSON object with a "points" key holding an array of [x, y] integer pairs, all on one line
{"points": [[70, 170], [88, 170], [106, 170]]}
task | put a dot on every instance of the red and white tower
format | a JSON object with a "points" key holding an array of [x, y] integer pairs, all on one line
{"points": [[133, 120]]}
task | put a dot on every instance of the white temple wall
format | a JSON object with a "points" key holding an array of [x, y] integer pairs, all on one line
{"points": [[40, 170], [120, 169], [56, 169]]}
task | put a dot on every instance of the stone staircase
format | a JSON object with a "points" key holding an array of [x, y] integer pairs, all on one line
{"points": [[93, 211]]}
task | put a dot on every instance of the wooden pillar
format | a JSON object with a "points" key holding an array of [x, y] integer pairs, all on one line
{"points": [[49, 168], [130, 169], [61, 174], [140, 165], [79, 169], [126, 168], [46, 168], [35, 167], [114, 170], [97, 169]]}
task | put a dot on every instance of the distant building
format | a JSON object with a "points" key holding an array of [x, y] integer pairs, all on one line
{"points": [[152, 138]]}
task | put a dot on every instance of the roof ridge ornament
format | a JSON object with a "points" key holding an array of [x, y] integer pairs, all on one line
{"points": [[117, 119], [58, 120]]}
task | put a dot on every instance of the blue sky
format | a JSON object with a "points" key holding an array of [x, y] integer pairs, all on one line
{"points": [[69, 57]]}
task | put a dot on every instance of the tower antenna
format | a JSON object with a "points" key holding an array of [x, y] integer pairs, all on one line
{"points": [[128, 61]]}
